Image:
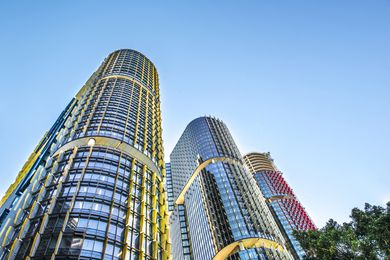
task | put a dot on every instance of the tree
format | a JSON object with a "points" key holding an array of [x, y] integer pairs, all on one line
{"points": [[366, 236]]}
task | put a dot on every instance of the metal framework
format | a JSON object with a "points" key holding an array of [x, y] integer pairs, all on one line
{"points": [[99, 192], [284, 205], [219, 211]]}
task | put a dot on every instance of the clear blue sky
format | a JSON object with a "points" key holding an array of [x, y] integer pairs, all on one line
{"points": [[308, 81]]}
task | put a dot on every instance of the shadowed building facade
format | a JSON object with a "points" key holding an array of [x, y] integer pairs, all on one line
{"points": [[171, 203], [284, 205], [219, 211], [98, 190]]}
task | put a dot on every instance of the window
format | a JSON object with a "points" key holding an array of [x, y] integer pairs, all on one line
{"points": [[93, 245]]}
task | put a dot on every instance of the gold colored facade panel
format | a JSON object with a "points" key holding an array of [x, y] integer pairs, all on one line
{"points": [[145, 148]]}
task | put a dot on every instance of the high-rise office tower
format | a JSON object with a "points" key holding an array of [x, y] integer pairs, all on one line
{"points": [[219, 210], [36, 160], [284, 205], [98, 191]]}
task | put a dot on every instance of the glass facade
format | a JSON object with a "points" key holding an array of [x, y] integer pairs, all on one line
{"points": [[100, 194], [36, 160], [285, 207], [219, 210], [169, 187]]}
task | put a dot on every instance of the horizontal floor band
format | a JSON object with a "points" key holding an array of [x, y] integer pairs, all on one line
{"points": [[247, 243], [115, 144], [180, 198]]}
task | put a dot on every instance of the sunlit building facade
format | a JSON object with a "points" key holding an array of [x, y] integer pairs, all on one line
{"points": [[219, 211], [36, 160], [284, 205], [96, 189]]}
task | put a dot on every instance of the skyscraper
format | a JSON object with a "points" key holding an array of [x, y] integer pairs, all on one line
{"points": [[99, 191], [219, 210], [287, 210], [36, 160]]}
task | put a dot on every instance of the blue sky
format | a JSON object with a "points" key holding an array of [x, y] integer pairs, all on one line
{"points": [[308, 81]]}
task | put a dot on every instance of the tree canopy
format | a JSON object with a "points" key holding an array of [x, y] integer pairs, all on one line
{"points": [[366, 236]]}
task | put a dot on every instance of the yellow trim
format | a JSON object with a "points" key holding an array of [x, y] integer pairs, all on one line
{"points": [[112, 143], [112, 205], [117, 76], [25, 169], [128, 113], [72, 202], [127, 233], [143, 221], [154, 129], [247, 243], [154, 216], [105, 108], [157, 167], [12, 249], [106, 65], [87, 85], [146, 122], [7, 234], [180, 198], [137, 120], [88, 122], [257, 162]]}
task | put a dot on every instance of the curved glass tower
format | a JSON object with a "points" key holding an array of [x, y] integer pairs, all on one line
{"points": [[219, 210], [288, 212], [100, 194]]}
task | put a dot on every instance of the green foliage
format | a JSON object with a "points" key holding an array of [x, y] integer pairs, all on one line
{"points": [[366, 236]]}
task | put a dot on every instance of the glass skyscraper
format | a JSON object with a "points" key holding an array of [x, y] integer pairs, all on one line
{"points": [[35, 161], [284, 205], [94, 187], [219, 210]]}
